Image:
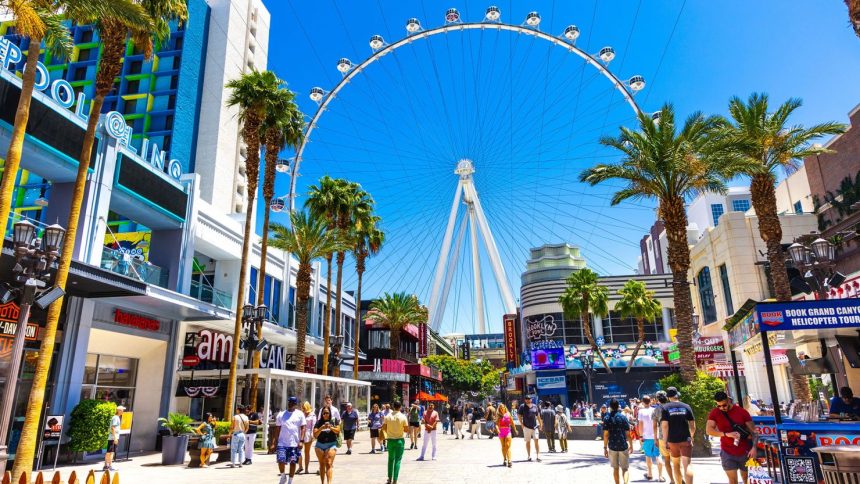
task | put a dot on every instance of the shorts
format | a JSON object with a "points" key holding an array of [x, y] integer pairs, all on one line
{"points": [[663, 450], [374, 433], [619, 459], [324, 446], [348, 434], [288, 455], [417, 425], [650, 449], [530, 434], [733, 462], [111, 447], [680, 449], [491, 426]]}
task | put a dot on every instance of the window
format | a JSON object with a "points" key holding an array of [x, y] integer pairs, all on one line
{"points": [[110, 378], [129, 106], [740, 205], [80, 74], [171, 101], [706, 296], [86, 37], [174, 82], [271, 294], [84, 54], [132, 87], [177, 62], [135, 67], [618, 329], [716, 211], [798, 207], [727, 290]]}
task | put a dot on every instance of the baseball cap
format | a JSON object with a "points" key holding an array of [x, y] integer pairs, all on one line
{"points": [[672, 392], [347, 404], [293, 401], [120, 407]]}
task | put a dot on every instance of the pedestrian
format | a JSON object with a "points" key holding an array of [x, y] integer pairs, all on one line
{"points": [[251, 436], [634, 429], [645, 425], [327, 402], [206, 432], [506, 430], [562, 426], [238, 427], [734, 426], [307, 437], [617, 442], [457, 417], [491, 420], [289, 429], [445, 415], [395, 427], [598, 417], [431, 420], [383, 444], [530, 418], [326, 431], [374, 423], [475, 427], [547, 417], [679, 426], [414, 424], [421, 410], [350, 425], [662, 399], [751, 407], [113, 438]]}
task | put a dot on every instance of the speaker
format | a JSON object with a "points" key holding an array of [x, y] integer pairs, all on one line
{"points": [[836, 279], [798, 286]]}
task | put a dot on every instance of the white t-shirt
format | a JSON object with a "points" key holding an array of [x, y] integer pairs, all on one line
{"points": [[646, 416], [291, 426], [335, 413]]}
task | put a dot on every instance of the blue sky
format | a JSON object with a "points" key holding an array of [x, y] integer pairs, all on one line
{"points": [[529, 114]]}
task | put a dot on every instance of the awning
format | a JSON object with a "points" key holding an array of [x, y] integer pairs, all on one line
{"points": [[441, 397], [724, 370]]}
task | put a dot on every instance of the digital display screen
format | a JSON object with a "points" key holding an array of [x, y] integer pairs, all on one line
{"points": [[548, 359]]}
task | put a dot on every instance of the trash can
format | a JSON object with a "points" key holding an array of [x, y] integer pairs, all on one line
{"points": [[839, 463]]}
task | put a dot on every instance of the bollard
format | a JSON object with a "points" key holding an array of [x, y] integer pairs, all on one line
{"points": [[105, 478], [91, 477], [39, 478], [115, 479], [73, 478], [56, 479]]}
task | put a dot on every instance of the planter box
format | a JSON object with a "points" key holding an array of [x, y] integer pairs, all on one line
{"points": [[173, 450]]}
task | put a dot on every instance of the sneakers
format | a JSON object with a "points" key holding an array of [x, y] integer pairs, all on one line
{"points": [[509, 464], [111, 468], [420, 458], [349, 452], [373, 451], [283, 479]]}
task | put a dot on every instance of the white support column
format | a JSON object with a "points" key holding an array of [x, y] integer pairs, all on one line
{"points": [[667, 323], [266, 406], [476, 272], [449, 276], [493, 253], [597, 328], [443, 257]]}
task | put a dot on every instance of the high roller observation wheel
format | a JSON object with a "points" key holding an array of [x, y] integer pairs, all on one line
{"points": [[453, 22]]}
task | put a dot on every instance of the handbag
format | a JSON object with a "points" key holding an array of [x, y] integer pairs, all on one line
{"points": [[339, 434]]}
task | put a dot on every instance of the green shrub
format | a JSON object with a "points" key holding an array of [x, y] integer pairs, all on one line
{"points": [[221, 428], [89, 425], [699, 395], [176, 423]]}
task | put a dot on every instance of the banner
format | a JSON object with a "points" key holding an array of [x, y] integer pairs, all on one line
{"points": [[830, 313], [551, 382], [422, 340], [511, 339], [540, 327], [709, 348], [53, 427]]}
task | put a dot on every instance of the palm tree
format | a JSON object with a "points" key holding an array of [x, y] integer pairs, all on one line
{"points": [[660, 163], [639, 303], [367, 240], [324, 201], [283, 127], [358, 205], [396, 311], [308, 239], [36, 20], [583, 295], [253, 93], [763, 143], [854, 14]]}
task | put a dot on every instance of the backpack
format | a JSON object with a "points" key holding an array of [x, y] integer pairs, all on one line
{"points": [[413, 414]]}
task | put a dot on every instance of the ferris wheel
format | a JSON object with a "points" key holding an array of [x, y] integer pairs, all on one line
{"points": [[500, 116]]}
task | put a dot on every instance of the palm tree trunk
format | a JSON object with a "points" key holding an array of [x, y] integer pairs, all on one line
{"points": [[113, 45], [854, 14], [673, 215], [394, 343], [360, 272], [340, 258], [640, 323], [589, 335], [16, 144], [303, 289], [770, 230], [327, 317]]}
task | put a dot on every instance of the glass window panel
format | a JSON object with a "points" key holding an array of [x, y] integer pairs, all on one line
{"points": [[116, 371], [90, 369]]}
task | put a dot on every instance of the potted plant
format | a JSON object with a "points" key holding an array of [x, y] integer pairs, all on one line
{"points": [[175, 445]]}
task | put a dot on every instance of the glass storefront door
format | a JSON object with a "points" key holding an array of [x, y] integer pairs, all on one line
{"points": [[110, 378]]}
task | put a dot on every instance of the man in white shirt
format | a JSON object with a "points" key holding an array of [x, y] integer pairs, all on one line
{"points": [[650, 447], [113, 438], [289, 427], [335, 413]]}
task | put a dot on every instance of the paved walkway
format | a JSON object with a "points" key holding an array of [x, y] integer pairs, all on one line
{"points": [[467, 461]]}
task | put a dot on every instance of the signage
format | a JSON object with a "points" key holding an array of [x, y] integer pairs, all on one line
{"points": [[136, 321], [548, 359], [540, 328], [828, 313], [53, 427], [510, 338], [201, 388], [125, 423], [62, 95], [708, 348], [422, 340], [551, 382], [672, 354], [274, 357], [135, 244], [389, 366], [191, 360], [310, 364], [546, 344], [214, 346]]}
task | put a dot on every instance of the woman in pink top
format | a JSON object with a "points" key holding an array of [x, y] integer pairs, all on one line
{"points": [[506, 429]]}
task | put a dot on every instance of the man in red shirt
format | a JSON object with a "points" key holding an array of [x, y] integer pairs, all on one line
{"points": [[431, 420], [734, 426]]}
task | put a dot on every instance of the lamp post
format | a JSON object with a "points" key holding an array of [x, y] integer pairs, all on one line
{"points": [[253, 318], [816, 261], [33, 259], [587, 360], [335, 344]]}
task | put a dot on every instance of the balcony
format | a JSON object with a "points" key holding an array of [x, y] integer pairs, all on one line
{"points": [[206, 293], [123, 263]]}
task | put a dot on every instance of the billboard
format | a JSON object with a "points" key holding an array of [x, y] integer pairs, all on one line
{"points": [[511, 338], [548, 359], [829, 313]]}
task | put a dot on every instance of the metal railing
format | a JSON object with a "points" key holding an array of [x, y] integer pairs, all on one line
{"points": [[206, 293], [125, 264]]}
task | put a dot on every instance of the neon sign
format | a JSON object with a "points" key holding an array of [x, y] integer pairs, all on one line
{"points": [[63, 95]]}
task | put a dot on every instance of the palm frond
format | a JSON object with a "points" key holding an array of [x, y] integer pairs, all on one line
{"points": [[58, 39]]}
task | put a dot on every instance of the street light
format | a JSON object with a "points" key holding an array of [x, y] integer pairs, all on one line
{"points": [[587, 360], [335, 344], [816, 262], [33, 259]]}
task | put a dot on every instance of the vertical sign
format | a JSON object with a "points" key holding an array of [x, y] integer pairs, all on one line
{"points": [[422, 340], [511, 339]]}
